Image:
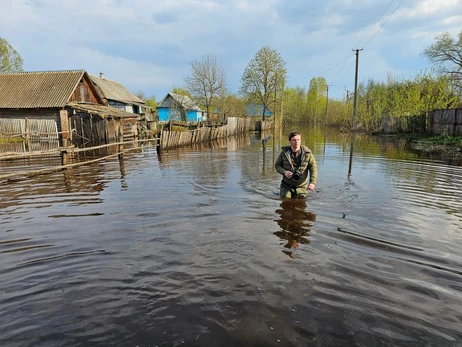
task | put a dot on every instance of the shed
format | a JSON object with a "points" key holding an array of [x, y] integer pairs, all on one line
{"points": [[179, 107]]}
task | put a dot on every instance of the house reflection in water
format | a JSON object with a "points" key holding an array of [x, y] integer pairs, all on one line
{"points": [[295, 223]]}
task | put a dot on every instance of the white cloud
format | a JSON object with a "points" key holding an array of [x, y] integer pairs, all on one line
{"points": [[428, 8], [146, 45]]}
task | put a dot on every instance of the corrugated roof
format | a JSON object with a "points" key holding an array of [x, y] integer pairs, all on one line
{"points": [[183, 100], [113, 90], [101, 110], [38, 89]]}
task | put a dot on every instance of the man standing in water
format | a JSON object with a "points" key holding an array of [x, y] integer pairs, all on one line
{"points": [[296, 164]]}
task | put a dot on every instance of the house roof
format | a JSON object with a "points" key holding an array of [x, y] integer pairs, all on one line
{"points": [[101, 110], [113, 90], [38, 89], [183, 100]]}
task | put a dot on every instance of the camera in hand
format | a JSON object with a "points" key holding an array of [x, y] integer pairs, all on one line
{"points": [[296, 175]]}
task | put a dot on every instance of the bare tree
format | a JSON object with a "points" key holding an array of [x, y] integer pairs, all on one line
{"points": [[264, 77], [207, 81], [446, 53]]}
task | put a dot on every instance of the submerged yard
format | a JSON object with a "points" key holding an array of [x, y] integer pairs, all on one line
{"points": [[193, 247]]}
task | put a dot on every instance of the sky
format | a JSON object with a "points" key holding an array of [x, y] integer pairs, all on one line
{"points": [[148, 45]]}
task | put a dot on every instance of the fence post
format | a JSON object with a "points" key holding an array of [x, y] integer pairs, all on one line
{"points": [[26, 129], [454, 129], [64, 157], [121, 145]]}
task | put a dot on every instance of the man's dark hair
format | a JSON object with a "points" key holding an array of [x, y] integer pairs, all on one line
{"points": [[293, 133]]}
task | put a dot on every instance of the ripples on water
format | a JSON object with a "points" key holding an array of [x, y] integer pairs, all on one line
{"points": [[193, 247]]}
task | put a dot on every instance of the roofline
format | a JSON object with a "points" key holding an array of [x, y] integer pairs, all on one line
{"points": [[186, 108], [61, 106], [165, 97], [104, 94], [104, 78], [45, 71]]}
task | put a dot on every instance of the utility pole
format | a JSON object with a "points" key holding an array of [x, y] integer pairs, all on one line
{"points": [[282, 103], [353, 123], [347, 94], [327, 101]]}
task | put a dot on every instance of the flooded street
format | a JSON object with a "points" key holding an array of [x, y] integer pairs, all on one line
{"points": [[193, 247]]}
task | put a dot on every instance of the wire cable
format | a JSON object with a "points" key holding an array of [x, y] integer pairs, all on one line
{"points": [[346, 73], [378, 20], [384, 23], [327, 66], [338, 73]]}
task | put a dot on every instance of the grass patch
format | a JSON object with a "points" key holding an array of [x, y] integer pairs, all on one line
{"points": [[11, 139], [179, 128], [436, 139]]}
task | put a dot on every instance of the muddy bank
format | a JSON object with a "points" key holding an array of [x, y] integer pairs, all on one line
{"points": [[448, 149], [448, 152]]}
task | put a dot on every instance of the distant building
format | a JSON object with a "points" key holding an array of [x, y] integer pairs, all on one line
{"points": [[256, 110], [179, 107], [117, 96]]}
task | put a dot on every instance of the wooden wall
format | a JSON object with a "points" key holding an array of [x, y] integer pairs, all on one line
{"points": [[39, 113], [235, 125], [445, 122], [84, 92]]}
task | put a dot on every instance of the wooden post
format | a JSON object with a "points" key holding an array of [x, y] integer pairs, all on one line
{"points": [[64, 157], [65, 129], [121, 145], [26, 130], [454, 129], [92, 141]]}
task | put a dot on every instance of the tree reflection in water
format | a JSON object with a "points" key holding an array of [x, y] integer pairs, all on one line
{"points": [[295, 223]]}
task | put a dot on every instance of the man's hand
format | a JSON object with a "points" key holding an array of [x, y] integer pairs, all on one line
{"points": [[311, 186], [288, 174]]}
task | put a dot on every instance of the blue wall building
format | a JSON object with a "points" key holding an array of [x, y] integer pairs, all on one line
{"points": [[179, 107]]}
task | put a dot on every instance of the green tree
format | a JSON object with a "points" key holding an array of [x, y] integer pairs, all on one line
{"points": [[10, 60], [181, 91], [207, 81], [316, 98], [232, 106], [151, 101], [446, 53], [294, 104], [263, 79]]}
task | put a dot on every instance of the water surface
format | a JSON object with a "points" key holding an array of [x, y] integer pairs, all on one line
{"points": [[193, 247]]}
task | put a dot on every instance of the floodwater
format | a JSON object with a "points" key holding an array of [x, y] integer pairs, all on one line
{"points": [[192, 247]]}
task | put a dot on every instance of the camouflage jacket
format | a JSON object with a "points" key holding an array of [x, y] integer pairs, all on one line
{"points": [[308, 167]]}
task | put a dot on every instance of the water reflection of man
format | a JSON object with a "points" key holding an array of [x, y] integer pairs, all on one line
{"points": [[295, 223], [296, 164]]}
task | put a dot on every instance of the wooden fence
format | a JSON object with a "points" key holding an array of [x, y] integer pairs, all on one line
{"points": [[234, 126], [445, 122], [35, 134], [411, 124], [68, 157]]}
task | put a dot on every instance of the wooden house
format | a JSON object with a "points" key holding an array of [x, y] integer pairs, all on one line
{"points": [[179, 107], [117, 96], [69, 100]]}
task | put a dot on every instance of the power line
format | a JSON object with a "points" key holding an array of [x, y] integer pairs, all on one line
{"points": [[392, 1], [338, 73], [327, 66], [349, 69], [384, 23]]}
